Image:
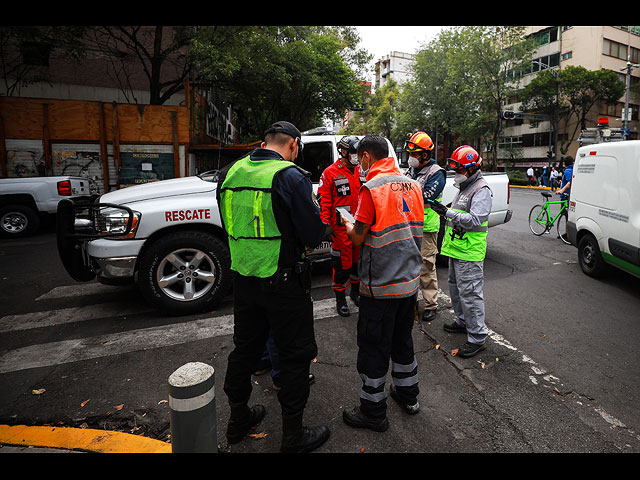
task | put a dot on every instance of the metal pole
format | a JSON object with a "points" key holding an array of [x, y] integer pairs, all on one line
{"points": [[193, 409]]}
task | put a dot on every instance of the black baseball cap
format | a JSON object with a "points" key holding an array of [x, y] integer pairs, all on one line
{"points": [[284, 127]]}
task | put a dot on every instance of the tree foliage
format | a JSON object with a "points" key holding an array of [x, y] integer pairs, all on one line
{"points": [[577, 91], [302, 74]]}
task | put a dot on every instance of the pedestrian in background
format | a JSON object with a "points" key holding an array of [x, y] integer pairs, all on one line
{"points": [[338, 187], [431, 177], [388, 226], [554, 179], [270, 215], [465, 243]]}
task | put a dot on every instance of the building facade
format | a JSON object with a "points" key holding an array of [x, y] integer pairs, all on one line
{"points": [[396, 66], [525, 142]]}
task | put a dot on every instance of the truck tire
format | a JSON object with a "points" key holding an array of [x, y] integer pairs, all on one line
{"points": [[590, 258], [18, 220], [185, 272]]}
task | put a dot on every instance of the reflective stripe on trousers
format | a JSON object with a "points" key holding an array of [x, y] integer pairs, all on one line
{"points": [[384, 336]]}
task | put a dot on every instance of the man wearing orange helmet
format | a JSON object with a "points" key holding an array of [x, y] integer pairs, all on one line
{"points": [[465, 243], [431, 178]]}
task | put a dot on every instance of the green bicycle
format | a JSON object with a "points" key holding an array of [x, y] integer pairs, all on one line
{"points": [[541, 220]]}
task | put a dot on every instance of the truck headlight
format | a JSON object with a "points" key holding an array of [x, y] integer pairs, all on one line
{"points": [[114, 221]]}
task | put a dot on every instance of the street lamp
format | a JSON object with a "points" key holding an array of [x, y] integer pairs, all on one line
{"points": [[626, 115]]}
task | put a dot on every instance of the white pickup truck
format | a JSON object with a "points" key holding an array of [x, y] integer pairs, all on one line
{"points": [[167, 235], [24, 201]]}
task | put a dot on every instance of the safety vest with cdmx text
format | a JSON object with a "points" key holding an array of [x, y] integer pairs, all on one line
{"points": [[461, 243], [247, 212], [390, 259], [431, 218]]}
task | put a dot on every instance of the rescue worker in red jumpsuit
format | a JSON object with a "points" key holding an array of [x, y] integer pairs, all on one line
{"points": [[338, 187]]}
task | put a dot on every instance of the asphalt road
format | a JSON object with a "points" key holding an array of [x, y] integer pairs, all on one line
{"points": [[559, 374]]}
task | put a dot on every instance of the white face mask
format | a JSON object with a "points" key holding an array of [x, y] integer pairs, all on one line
{"points": [[353, 159], [459, 178], [413, 162]]}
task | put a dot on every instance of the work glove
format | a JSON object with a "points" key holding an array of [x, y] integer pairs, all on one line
{"points": [[437, 207]]}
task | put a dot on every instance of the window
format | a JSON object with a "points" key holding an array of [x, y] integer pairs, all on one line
{"points": [[614, 49], [566, 56], [35, 53], [315, 158]]}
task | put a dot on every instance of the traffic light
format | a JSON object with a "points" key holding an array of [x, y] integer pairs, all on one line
{"points": [[508, 115]]}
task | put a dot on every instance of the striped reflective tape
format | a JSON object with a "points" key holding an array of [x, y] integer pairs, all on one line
{"points": [[191, 404]]}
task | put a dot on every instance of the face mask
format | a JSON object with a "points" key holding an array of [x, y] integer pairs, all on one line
{"points": [[459, 178], [353, 159], [413, 162]]}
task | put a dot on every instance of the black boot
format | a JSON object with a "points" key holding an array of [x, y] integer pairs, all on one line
{"points": [[341, 304], [242, 419], [297, 438], [355, 294]]}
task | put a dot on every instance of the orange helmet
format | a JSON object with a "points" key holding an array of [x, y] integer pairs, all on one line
{"points": [[464, 157], [419, 142]]}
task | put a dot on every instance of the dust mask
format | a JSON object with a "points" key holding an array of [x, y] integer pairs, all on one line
{"points": [[353, 159], [459, 178], [413, 162]]}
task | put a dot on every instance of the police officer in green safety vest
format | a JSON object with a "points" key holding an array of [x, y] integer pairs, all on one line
{"points": [[465, 243], [432, 179], [270, 214]]}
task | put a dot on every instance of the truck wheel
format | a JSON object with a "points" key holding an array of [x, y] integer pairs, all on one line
{"points": [[18, 220], [185, 272], [590, 258]]}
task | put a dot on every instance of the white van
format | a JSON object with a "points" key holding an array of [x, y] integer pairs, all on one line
{"points": [[604, 207]]}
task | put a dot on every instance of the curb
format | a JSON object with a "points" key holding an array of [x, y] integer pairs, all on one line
{"points": [[88, 440]]}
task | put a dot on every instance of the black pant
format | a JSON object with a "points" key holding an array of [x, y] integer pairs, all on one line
{"points": [[285, 307], [384, 333]]}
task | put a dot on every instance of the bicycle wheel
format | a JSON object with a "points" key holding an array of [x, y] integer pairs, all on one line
{"points": [[538, 220], [561, 224]]}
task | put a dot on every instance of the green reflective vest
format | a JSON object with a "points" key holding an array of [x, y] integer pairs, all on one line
{"points": [[431, 218], [469, 245], [247, 214]]}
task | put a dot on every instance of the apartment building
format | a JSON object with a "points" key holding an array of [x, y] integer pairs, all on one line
{"points": [[396, 66], [526, 142]]}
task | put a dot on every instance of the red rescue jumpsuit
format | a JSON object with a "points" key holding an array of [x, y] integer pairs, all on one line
{"points": [[339, 187]]}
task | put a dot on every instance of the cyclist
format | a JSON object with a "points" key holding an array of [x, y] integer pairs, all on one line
{"points": [[566, 179]]}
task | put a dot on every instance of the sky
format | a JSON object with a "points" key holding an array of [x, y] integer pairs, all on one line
{"points": [[381, 40]]}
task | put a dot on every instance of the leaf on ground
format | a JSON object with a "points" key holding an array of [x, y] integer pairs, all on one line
{"points": [[118, 407], [39, 391], [258, 436], [85, 402], [454, 352]]}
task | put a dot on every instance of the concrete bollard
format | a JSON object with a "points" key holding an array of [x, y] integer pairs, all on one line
{"points": [[193, 409]]}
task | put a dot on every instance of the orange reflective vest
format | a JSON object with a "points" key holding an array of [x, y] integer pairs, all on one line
{"points": [[390, 259]]}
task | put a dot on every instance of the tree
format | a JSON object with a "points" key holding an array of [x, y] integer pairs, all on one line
{"points": [[460, 83], [578, 91], [302, 74], [159, 52], [379, 115]]}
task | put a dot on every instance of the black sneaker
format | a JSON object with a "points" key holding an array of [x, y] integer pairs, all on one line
{"points": [[410, 409], [453, 327], [470, 349], [428, 315], [355, 418]]}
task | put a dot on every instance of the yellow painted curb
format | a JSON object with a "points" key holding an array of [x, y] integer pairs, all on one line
{"points": [[99, 441]]}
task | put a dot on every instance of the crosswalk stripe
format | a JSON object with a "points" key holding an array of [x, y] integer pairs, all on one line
{"points": [[66, 351], [80, 289], [50, 318]]}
